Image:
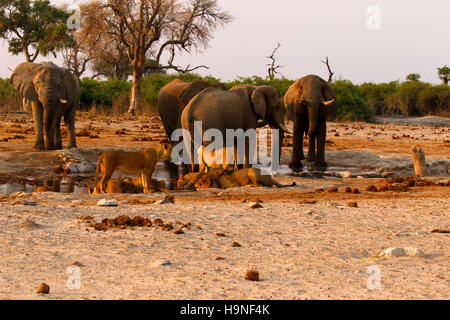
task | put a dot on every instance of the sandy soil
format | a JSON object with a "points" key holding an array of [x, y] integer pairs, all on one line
{"points": [[305, 244]]}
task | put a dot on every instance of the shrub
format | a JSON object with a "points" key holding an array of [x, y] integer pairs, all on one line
{"points": [[351, 105]]}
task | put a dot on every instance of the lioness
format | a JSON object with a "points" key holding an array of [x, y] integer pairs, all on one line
{"points": [[224, 157], [253, 177], [119, 186], [141, 162], [224, 179]]}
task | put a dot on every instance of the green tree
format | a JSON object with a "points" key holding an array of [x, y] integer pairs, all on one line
{"points": [[33, 27], [413, 77], [444, 74]]}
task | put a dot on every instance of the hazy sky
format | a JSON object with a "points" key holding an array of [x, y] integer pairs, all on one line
{"points": [[414, 37]]}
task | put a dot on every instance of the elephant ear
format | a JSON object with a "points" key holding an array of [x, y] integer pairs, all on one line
{"points": [[69, 84], [194, 88], [331, 104], [259, 101], [22, 80]]}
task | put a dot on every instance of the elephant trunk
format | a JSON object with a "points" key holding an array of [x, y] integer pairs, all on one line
{"points": [[313, 120]]}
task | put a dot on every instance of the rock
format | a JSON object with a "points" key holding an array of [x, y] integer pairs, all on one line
{"points": [[85, 167], [126, 201], [72, 167], [236, 244], [252, 275], [402, 252], [162, 263], [166, 200], [44, 288], [439, 168], [345, 174], [107, 203], [30, 224], [254, 205], [352, 204], [28, 203]]}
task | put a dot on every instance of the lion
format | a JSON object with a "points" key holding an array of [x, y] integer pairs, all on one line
{"points": [[225, 179], [216, 158], [119, 186], [141, 162], [254, 177], [129, 185]]}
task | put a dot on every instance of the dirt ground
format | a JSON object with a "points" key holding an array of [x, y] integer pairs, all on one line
{"points": [[306, 243]]}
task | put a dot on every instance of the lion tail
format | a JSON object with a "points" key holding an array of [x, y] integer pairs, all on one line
{"points": [[99, 162]]}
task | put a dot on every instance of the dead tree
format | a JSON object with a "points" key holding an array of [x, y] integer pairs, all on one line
{"points": [[331, 73], [420, 165], [273, 67]]}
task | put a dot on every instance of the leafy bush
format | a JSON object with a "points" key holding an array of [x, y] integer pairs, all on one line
{"points": [[377, 95], [351, 105]]}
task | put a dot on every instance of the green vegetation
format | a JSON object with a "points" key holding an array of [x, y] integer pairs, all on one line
{"points": [[356, 102], [33, 27]]}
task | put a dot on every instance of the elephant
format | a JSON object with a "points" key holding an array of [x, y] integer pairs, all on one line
{"points": [[175, 96], [242, 107], [309, 101], [52, 93]]}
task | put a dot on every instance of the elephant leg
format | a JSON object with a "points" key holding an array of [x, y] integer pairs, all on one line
{"points": [[38, 112], [49, 127], [312, 149], [297, 143], [321, 136], [69, 119], [58, 141]]}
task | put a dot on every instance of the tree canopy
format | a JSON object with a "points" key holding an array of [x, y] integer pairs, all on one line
{"points": [[33, 27]]}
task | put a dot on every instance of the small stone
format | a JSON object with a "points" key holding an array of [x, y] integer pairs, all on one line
{"points": [[402, 252], [348, 190], [345, 174], [333, 190], [28, 203], [126, 201], [355, 190], [220, 234], [254, 205], [162, 263], [107, 203], [220, 258], [44, 288], [252, 275], [352, 204], [236, 244]]}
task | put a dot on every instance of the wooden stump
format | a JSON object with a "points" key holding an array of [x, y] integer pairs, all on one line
{"points": [[420, 166]]}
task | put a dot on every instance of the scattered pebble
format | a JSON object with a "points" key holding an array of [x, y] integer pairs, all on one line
{"points": [[107, 203], [254, 205], [44, 288], [236, 244], [162, 263], [352, 204], [402, 252], [252, 275]]}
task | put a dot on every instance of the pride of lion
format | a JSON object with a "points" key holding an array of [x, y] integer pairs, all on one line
{"points": [[144, 163]]}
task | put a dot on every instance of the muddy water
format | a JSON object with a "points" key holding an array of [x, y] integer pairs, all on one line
{"points": [[80, 185]]}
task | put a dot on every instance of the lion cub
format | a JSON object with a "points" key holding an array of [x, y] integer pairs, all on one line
{"points": [[141, 162]]}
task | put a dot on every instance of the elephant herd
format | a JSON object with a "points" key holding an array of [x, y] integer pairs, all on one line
{"points": [[308, 102], [51, 93]]}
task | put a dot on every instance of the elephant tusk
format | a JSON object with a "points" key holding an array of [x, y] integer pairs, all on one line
{"points": [[327, 103], [63, 101]]}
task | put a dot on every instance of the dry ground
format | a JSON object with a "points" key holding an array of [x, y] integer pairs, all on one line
{"points": [[305, 244]]}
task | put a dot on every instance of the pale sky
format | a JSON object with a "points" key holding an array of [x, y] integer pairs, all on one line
{"points": [[414, 37]]}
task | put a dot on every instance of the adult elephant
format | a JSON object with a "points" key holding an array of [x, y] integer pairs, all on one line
{"points": [[309, 101], [52, 93], [243, 107], [175, 96]]}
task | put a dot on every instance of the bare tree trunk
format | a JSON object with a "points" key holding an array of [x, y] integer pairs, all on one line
{"points": [[420, 166], [135, 101]]}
